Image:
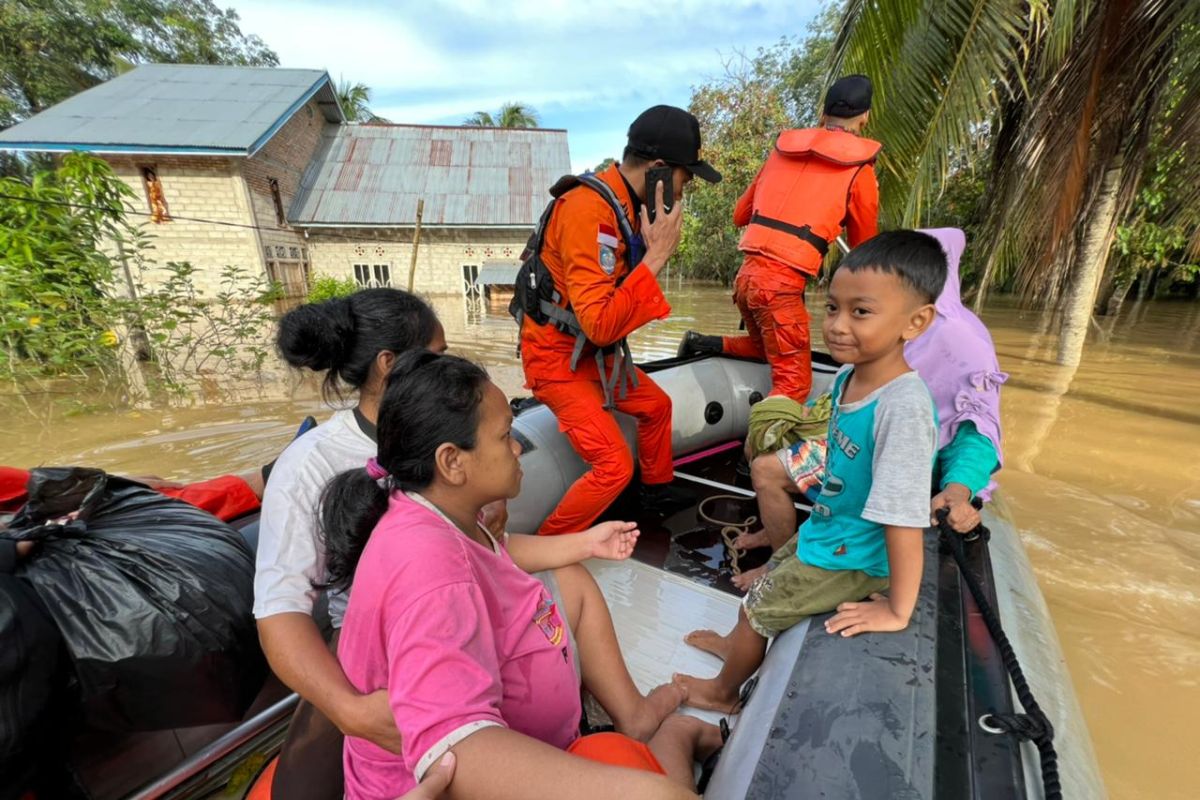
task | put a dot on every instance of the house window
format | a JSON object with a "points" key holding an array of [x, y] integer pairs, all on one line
{"points": [[154, 195], [373, 276], [277, 199], [471, 287], [290, 267]]}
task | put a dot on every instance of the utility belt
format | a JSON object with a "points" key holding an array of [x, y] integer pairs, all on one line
{"points": [[616, 382], [801, 232]]}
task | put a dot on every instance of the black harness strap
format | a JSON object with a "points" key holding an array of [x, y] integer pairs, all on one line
{"points": [[801, 232]]}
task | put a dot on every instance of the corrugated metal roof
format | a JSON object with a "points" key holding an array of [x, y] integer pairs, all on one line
{"points": [[177, 108], [498, 273], [374, 175]]}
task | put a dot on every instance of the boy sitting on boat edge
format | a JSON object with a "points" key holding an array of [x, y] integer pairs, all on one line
{"points": [[865, 532]]}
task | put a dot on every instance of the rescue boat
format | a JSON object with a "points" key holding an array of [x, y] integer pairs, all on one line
{"points": [[928, 712]]}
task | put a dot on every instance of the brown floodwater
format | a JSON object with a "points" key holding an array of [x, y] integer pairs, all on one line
{"points": [[1102, 470]]}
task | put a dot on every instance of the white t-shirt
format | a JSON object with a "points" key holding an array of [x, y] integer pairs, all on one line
{"points": [[291, 555]]}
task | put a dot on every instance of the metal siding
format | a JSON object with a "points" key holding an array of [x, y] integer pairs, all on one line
{"points": [[466, 176]]}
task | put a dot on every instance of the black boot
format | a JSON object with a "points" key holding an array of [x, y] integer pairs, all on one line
{"points": [[698, 344], [664, 499]]}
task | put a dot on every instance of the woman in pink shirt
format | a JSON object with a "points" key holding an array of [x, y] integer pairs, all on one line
{"points": [[475, 653]]}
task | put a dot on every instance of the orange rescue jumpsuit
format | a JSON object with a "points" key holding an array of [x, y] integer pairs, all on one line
{"points": [[585, 254], [816, 178]]}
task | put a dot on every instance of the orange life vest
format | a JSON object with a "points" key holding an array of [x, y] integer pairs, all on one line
{"points": [[802, 196]]}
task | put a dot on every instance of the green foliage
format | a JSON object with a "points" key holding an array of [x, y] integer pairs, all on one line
{"points": [[52, 49], [68, 261], [327, 287], [190, 336], [355, 100], [962, 204], [1154, 238], [53, 275], [741, 114], [510, 115]]}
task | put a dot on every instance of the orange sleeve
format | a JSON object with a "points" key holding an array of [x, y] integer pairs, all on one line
{"points": [[862, 211], [745, 204], [607, 312]]}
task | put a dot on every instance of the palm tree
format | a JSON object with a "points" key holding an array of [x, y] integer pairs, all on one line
{"points": [[511, 115], [355, 99], [1061, 97]]}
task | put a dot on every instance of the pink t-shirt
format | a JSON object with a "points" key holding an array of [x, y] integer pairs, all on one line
{"points": [[460, 637]]}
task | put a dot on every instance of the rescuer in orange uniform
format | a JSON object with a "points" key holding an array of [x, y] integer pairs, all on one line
{"points": [[611, 286], [815, 182]]}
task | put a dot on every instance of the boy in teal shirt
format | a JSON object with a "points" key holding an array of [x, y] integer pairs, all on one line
{"points": [[865, 531]]}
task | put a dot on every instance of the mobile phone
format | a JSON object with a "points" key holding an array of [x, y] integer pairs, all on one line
{"points": [[655, 176]]}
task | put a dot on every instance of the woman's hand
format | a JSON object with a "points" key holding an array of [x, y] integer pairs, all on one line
{"points": [[963, 517], [612, 540], [437, 780], [875, 614]]}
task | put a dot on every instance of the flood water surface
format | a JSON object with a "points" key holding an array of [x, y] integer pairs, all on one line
{"points": [[1102, 471]]}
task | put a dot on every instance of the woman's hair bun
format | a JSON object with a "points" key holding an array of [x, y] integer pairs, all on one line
{"points": [[319, 336]]}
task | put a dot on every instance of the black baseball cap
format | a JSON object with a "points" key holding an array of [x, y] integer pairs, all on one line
{"points": [[849, 97], [673, 135]]}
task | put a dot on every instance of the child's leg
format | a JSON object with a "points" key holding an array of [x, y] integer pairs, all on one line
{"points": [[743, 649], [680, 742], [790, 591], [774, 488], [715, 643], [603, 668]]}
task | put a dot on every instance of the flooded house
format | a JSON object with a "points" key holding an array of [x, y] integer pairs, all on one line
{"points": [[258, 168]]}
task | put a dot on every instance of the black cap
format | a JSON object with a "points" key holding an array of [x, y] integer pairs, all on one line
{"points": [[673, 135], [849, 97]]}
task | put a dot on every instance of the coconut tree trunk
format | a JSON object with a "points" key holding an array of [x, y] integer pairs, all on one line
{"points": [[1089, 265]]}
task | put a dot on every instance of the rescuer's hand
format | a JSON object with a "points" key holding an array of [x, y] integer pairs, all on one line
{"points": [[662, 235]]}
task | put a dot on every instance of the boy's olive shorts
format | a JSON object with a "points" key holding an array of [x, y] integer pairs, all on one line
{"points": [[792, 590]]}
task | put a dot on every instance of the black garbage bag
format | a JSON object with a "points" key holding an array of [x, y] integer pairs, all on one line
{"points": [[152, 598]]}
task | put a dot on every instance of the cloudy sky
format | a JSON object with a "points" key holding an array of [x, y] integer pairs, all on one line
{"points": [[587, 67]]}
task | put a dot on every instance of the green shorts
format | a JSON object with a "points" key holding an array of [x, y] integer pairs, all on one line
{"points": [[792, 590]]}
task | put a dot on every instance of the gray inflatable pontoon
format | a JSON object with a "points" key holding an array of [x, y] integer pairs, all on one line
{"points": [[876, 716]]}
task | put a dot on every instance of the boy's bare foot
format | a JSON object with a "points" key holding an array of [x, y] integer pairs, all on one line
{"points": [[708, 693], [660, 703], [742, 582], [749, 541], [709, 642]]}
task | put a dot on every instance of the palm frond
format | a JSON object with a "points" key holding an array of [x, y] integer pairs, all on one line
{"points": [[1095, 111], [941, 69]]}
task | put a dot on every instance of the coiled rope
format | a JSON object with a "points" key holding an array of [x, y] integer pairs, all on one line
{"points": [[728, 528]]}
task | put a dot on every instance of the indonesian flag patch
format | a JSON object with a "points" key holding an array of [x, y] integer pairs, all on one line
{"points": [[606, 236]]}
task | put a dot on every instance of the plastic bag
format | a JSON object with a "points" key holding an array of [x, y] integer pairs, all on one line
{"points": [[152, 598]]}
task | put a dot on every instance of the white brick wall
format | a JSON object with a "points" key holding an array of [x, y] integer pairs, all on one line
{"points": [[209, 188], [440, 257], [237, 191]]}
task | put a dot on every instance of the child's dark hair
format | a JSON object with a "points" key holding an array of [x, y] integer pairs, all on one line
{"points": [[916, 258], [345, 334], [430, 400]]}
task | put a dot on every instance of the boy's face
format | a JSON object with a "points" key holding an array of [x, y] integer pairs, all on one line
{"points": [[870, 314]]}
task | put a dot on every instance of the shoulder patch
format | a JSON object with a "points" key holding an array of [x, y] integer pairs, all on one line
{"points": [[608, 258]]}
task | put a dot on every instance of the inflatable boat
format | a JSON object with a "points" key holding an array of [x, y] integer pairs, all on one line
{"points": [[929, 712]]}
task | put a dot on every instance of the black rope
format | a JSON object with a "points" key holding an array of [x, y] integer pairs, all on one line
{"points": [[1033, 725]]}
